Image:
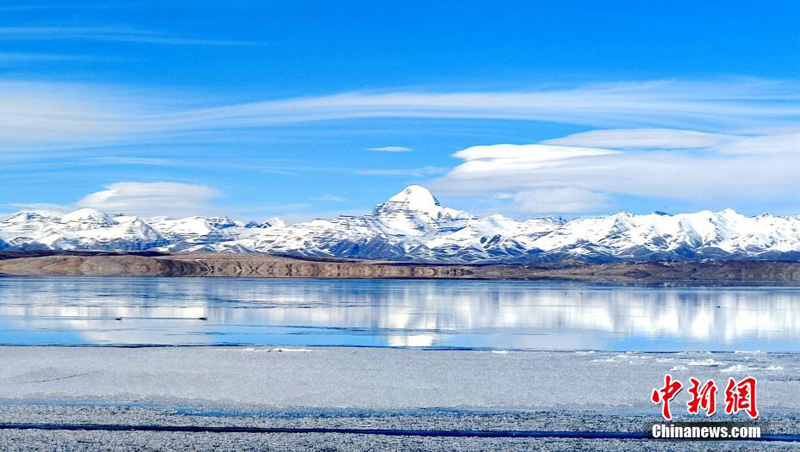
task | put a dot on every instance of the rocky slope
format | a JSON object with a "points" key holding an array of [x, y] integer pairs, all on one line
{"points": [[266, 266], [215, 264]]}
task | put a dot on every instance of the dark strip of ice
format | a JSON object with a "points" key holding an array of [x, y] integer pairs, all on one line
{"points": [[357, 431]]}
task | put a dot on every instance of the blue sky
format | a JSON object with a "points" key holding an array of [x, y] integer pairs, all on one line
{"points": [[263, 108]]}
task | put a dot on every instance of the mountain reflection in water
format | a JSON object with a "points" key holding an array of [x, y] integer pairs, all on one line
{"points": [[475, 314]]}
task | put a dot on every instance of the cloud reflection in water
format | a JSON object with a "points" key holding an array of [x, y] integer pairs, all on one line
{"points": [[492, 314]]}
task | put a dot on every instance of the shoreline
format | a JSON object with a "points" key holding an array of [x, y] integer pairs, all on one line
{"points": [[269, 266], [278, 348]]}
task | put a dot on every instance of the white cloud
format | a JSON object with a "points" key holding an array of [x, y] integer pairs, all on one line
{"points": [[787, 144], [329, 198], [662, 103], [64, 114], [503, 196], [560, 200], [147, 161], [152, 198], [740, 168], [530, 154], [43, 207], [109, 34], [413, 172], [20, 57], [391, 149], [641, 139]]}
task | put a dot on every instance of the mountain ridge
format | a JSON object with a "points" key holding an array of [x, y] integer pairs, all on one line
{"points": [[412, 226]]}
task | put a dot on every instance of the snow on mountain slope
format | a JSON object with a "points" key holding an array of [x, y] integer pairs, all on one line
{"points": [[413, 226], [84, 229]]}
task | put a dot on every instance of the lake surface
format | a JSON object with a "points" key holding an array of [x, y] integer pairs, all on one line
{"points": [[396, 313]]}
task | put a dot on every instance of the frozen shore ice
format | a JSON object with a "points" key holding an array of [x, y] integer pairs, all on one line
{"points": [[376, 378]]}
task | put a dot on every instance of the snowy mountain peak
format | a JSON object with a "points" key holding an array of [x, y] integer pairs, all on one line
{"points": [[415, 197], [274, 222], [729, 213], [87, 219], [27, 216], [415, 210], [87, 215]]}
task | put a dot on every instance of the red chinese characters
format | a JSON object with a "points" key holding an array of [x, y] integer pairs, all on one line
{"points": [[704, 397], [741, 396], [665, 394]]}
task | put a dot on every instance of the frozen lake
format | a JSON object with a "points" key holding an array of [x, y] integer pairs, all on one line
{"points": [[396, 313]]}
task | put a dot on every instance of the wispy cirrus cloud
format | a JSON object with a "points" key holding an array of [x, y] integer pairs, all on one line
{"points": [[59, 115], [7, 58], [12, 6], [390, 149], [424, 171], [146, 161], [641, 139], [111, 34], [327, 197], [695, 105]]}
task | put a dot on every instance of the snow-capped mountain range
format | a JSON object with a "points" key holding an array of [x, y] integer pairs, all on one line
{"points": [[413, 226]]}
